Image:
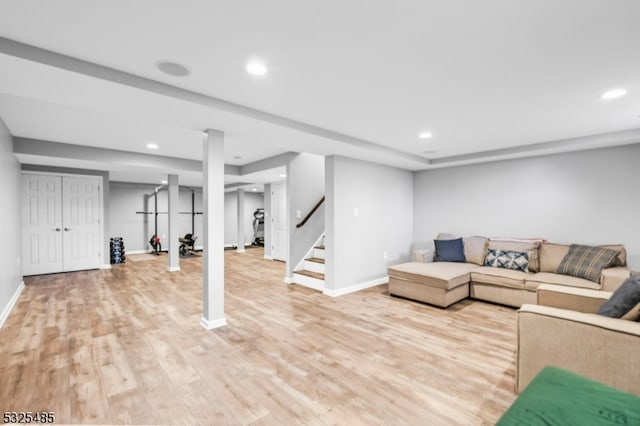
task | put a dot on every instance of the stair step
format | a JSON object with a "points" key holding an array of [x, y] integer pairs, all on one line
{"points": [[315, 259], [311, 274], [319, 247]]}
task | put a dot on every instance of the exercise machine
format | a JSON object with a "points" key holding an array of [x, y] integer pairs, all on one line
{"points": [[155, 239], [155, 244], [258, 227], [187, 244]]}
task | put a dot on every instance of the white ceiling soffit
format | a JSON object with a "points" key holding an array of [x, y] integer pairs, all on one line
{"points": [[125, 166], [77, 66]]}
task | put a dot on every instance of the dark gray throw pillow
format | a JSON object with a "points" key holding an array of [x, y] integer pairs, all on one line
{"points": [[626, 297], [449, 250]]}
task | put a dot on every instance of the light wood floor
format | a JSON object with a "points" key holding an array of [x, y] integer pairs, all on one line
{"points": [[126, 346]]}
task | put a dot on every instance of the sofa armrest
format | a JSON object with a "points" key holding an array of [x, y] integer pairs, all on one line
{"points": [[424, 256], [604, 349], [612, 278], [571, 298]]}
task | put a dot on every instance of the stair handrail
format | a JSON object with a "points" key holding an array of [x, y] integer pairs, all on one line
{"points": [[313, 210]]}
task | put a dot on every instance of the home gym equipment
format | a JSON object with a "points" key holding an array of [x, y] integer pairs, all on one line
{"points": [[155, 240], [116, 248], [187, 244], [155, 243], [193, 211], [258, 227]]}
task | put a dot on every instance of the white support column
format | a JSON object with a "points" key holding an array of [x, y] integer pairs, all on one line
{"points": [[173, 262], [241, 220], [213, 231], [267, 221]]}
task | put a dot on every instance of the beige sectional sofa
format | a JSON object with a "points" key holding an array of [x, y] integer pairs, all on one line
{"points": [[444, 283], [564, 330]]}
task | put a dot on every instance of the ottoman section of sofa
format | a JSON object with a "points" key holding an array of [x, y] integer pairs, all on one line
{"points": [[439, 283]]}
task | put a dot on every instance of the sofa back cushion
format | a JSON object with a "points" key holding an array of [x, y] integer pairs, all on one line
{"points": [[530, 247], [550, 255], [445, 236], [586, 261], [475, 249]]}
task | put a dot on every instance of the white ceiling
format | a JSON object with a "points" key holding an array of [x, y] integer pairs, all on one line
{"points": [[481, 76]]}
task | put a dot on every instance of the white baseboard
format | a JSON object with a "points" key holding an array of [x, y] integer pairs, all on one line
{"points": [[173, 268], [240, 250], [356, 287], [12, 302], [267, 257], [106, 266], [211, 324], [288, 280], [136, 252]]}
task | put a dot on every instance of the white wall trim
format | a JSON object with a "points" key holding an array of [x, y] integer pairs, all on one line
{"points": [[288, 280], [126, 252], [356, 287], [267, 257], [173, 268], [106, 266], [211, 324], [12, 302]]}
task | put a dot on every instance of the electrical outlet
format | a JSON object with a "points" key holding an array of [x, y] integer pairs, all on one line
{"points": [[355, 212], [298, 214], [384, 254]]}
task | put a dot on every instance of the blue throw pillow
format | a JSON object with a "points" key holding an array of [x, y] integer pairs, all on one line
{"points": [[449, 250]]}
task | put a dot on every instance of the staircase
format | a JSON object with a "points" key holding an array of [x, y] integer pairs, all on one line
{"points": [[311, 272]]}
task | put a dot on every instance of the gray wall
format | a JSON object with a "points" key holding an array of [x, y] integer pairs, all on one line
{"points": [[305, 187], [10, 269], [355, 245], [105, 195], [252, 201], [588, 197]]}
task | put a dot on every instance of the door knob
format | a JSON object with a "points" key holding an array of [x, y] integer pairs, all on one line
{"points": [[67, 229], [57, 229]]}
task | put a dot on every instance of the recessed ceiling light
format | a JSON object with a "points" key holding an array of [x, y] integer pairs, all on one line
{"points": [[237, 157], [172, 68], [613, 94], [256, 68], [430, 151], [164, 182], [283, 175], [152, 145], [254, 189], [425, 135]]}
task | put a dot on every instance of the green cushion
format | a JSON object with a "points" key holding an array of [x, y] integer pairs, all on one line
{"points": [[559, 397]]}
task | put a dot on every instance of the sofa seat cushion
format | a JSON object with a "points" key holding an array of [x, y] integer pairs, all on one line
{"points": [[444, 275], [499, 276], [533, 281]]}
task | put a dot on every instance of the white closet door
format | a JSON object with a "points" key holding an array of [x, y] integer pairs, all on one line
{"points": [[81, 223], [41, 224], [279, 231]]}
